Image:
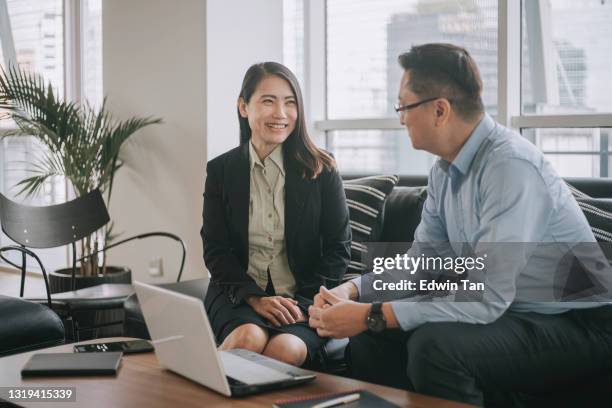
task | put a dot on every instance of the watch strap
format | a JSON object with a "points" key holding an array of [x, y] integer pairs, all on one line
{"points": [[376, 308]]}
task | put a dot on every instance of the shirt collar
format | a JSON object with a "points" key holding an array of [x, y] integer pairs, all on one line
{"points": [[467, 153], [275, 157]]}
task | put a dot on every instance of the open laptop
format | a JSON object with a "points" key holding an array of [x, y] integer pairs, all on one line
{"points": [[184, 343]]}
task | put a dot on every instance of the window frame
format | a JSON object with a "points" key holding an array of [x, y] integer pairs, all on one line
{"points": [[73, 61], [73, 47], [509, 80]]}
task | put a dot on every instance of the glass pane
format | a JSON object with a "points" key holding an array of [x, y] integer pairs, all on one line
{"points": [[92, 51], [566, 57], [38, 30], [377, 151], [575, 152], [293, 35], [20, 153], [364, 40], [38, 34]]}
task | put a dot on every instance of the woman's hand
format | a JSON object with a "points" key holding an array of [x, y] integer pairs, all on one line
{"points": [[280, 311]]}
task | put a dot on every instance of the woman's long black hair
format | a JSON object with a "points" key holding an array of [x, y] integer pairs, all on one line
{"points": [[298, 146]]}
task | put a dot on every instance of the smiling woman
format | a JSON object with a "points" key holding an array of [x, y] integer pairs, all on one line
{"points": [[275, 224], [271, 113], [310, 160]]}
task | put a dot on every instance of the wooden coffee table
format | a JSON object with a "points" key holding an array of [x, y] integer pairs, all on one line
{"points": [[142, 382]]}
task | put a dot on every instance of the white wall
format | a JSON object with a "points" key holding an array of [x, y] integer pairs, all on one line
{"points": [[239, 34], [182, 61], [154, 64]]}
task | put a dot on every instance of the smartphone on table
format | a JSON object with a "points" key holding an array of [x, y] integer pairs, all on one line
{"points": [[127, 347]]}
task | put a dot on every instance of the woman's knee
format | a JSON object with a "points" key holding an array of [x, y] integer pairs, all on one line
{"points": [[248, 336], [287, 348]]}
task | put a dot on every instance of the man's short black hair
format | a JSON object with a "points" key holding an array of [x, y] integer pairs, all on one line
{"points": [[448, 71]]}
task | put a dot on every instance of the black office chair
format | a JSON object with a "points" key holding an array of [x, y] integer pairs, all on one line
{"points": [[66, 224]]}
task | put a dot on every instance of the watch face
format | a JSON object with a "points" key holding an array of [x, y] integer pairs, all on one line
{"points": [[376, 323]]}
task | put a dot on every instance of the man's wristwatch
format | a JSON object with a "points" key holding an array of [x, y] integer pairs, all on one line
{"points": [[376, 319]]}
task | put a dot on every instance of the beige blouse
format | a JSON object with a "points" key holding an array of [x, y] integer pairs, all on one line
{"points": [[267, 249]]}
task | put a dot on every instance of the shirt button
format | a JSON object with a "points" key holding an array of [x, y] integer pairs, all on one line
{"points": [[271, 257], [269, 190], [264, 171], [270, 215], [269, 239]]}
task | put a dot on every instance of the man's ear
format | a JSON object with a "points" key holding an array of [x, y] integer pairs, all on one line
{"points": [[443, 111], [242, 107]]}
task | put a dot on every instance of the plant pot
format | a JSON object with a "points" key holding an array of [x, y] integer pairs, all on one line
{"points": [[61, 279]]}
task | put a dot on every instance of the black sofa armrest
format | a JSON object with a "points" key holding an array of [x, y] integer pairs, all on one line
{"points": [[27, 326], [134, 324]]}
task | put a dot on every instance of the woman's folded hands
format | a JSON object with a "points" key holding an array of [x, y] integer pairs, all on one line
{"points": [[278, 310]]}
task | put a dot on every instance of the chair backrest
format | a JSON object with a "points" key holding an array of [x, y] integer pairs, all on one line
{"points": [[55, 225]]}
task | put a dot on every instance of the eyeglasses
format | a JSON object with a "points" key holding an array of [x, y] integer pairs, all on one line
{"points": [[401, 108]]}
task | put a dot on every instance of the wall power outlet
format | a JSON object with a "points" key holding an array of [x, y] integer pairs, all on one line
{"points": [[156, 267]]}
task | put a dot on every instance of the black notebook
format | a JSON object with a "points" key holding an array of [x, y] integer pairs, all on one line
{"points": [[366, 400], [57, 364]]}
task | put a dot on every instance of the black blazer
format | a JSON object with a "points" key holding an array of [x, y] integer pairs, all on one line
{"points": [[317, 231]]}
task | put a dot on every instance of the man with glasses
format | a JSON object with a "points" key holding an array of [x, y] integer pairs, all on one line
{"points": [[490, 185]]}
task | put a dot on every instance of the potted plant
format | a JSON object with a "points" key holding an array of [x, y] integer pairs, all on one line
{"points": [[79, 143]]}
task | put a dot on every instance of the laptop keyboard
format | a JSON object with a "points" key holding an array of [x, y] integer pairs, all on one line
{"points": [[249, 372], [271, 363]]}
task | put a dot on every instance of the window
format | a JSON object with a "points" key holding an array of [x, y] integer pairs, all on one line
{"points": [[91, 29], [34, 37], [362, 69], [376, 151], [564, 72], [363, 73], [552, 86], [293, 35], [575, 152], [566, 58], [37, 31]]}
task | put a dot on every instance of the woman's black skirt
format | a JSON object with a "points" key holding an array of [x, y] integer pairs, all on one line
{"points": [[224, 317]]}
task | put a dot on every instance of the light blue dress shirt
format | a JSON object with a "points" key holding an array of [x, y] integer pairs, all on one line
{"points": [[499, 189]]}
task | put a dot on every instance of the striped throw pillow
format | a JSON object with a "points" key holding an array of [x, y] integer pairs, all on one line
{"points": [[598, 212], [365, 198]]}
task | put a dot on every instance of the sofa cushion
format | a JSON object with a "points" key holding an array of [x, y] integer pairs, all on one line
{"points": [[594, 187], [403, 213], [365, 198]]}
